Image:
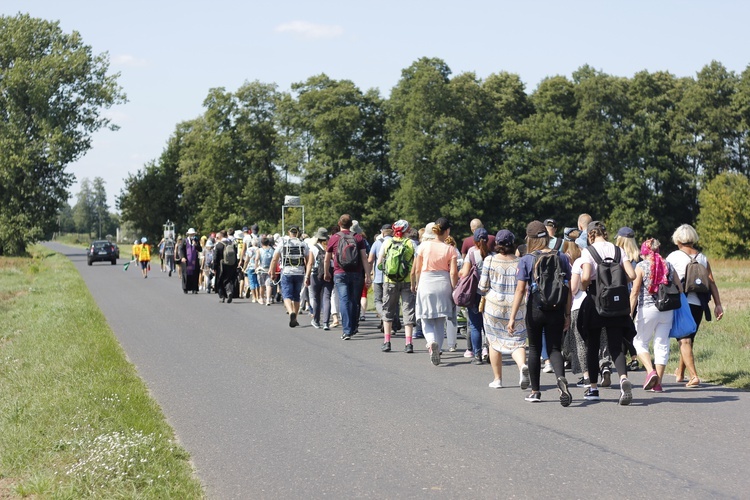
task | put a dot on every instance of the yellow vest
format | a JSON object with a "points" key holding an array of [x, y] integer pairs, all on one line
{"points": [[144, 254]]}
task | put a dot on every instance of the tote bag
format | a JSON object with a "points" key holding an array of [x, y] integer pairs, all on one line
{"points": [[683, 323]]}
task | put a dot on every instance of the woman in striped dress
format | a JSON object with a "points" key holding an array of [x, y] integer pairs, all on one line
{"points": [[498, 285]]}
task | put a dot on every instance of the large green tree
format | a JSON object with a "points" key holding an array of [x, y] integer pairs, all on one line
{"points": [[52, 91]]}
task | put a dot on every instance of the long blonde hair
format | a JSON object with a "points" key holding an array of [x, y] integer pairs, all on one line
{"points": [[631, 249]]}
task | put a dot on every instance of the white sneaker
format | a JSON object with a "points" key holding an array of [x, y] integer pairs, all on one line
{"points": [[468, 354], [524, 381], [548, 368], [496, 384]]}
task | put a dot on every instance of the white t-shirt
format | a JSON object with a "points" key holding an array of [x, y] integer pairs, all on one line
{"points": [[581, 294], [605, 249], [679, 261]]}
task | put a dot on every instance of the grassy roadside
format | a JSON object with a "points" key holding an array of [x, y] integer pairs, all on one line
{"points": [[75, 419]]}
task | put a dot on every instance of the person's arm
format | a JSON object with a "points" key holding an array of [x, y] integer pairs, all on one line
{"points": [[628, 268], [466, 268], [484, 279], [274, 263], [308, 269], [517, 299], [365, 265], [327, 264], [636, 289], [454, 271], [718, 309], [416, 271]]}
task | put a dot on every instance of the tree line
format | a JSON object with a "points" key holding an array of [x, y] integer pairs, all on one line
{"points": [[630, 151]]}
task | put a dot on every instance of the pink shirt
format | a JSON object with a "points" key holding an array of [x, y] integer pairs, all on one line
{"points": [[436, 255]]}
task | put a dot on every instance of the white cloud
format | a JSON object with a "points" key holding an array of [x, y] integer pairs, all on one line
{"points": [[128, 61], [310, 30]]}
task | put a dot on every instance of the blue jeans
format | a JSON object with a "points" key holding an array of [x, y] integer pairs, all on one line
{"points": [[476, 325], [349, 288], [320, 298]]}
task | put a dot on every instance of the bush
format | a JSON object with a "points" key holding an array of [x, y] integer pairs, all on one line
{"points": [[723, 223]]}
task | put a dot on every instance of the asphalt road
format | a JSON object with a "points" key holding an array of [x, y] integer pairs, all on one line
{"points": [[267, 411]]}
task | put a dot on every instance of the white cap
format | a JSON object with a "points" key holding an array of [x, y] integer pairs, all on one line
{"points": [[191, 231]]}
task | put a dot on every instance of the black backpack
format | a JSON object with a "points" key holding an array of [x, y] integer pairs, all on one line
{"points": [[696, 276], [347, 252], [611, 298], [319, 268], [549, 281], [667, 298]]}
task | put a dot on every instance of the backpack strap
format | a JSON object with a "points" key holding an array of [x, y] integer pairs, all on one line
{"points": [[594, 254], [558, 244]]}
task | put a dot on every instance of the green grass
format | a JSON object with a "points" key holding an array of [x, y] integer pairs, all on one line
{"points": [[75, 419]]}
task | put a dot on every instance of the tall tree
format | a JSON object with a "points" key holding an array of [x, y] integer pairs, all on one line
{"points": [[52, 91]]}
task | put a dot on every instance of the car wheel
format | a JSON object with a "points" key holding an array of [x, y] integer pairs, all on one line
{"points": [[114, 262], [90, 262]]}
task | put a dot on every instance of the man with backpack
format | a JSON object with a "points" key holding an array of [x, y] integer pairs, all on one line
{"points": [[225, 267], [351, 271], [606, 272], [396, 259], [292, 255]]}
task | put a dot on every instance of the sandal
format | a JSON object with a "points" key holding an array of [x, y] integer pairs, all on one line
{"points": [[678, 377], [694, 382]]}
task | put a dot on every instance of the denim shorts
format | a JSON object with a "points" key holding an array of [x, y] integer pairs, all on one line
{"points": [[291, 286]]}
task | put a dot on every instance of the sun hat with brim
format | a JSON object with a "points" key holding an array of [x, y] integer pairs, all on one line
{"points": [[428, 234], [191, 231], [321, 234]]}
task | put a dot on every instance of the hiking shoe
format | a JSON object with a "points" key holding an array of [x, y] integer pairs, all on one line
{"points": [[525, 380], [346, 336], [565, 397], [591, 394], [409, 349], [651, 380], [584, 382], [633, 366], [434, 351], [386, 347], [452, 348], [293, 320], [314, 323], [468, 354], [626, 392], [326, 327], [534, 397], [548, 368], [657, 388], [477, 361], [496, 384], [606, 377]]}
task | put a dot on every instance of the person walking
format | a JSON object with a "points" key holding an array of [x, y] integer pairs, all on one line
{"points": [[292, 257], [650, 322], [225, 267], [497, 285], [144, 257], [319, 289], [548, 319], [434, 276], [473, 263], [396, 260], [188, 253], [349, 254], [699, 293]]}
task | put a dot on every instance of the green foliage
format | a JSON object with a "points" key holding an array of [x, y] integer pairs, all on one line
{"points": [[629, 151], [724, 220], [52, 91]]}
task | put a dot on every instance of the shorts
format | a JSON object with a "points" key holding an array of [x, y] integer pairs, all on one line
{"points": [[144, 264], [392, 292], [291, 286], [252, 279]]}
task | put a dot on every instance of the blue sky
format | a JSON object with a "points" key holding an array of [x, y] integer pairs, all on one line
{"points": [[171, 53]]}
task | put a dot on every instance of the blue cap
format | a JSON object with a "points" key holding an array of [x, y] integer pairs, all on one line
{"points": [[481, 234]]}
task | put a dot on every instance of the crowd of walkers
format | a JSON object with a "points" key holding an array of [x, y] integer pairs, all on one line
{"points": [[552, 301]]}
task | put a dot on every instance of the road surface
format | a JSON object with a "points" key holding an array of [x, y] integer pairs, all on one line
{"points": [[267, 411]]}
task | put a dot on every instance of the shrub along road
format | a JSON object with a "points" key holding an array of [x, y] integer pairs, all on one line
{"points": [[268, 411]]}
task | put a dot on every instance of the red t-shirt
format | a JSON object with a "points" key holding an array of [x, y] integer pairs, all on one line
{"points": [[469, 242], [333, 243]]}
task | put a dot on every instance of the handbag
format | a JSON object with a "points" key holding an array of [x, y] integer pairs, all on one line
{"points": [[683, 323], [466, 289]]}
